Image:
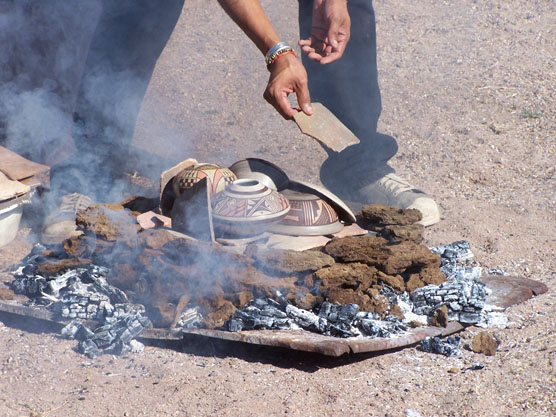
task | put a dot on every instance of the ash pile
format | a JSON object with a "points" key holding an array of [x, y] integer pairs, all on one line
{"points": [[82, 294], [125, 279]]}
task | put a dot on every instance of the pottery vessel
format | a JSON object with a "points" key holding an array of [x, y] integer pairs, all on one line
{"points": [[217, 178], [246, 206], [345, 214], [309, 215], [263, 171]]}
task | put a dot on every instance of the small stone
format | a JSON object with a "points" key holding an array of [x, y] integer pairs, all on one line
{"points": [[453, 370], [484, 343], [476, 366]]}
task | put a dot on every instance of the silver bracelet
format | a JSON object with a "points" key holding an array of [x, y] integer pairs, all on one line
{"points": [[272, 51]]}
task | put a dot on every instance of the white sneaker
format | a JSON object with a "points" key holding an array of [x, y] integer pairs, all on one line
{"points": [[60, 223], [392, 190]]}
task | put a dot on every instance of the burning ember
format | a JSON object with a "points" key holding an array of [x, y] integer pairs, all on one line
{"points": [[118, 280]]}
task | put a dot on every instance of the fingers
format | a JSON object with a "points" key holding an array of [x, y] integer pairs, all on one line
{"points": [[288, 76], [304, 100], [307, 46], [333, 32]]}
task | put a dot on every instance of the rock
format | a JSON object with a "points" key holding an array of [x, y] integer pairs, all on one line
{"points": [[484, 343], [440, 317], [381, 214], [287, 262]]}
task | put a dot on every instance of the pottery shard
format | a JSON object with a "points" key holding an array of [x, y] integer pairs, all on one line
{"points": [[440, 317], [390, 258], [484, 343], [108, 221], [381, 214], [354, 276], [287, 262]]}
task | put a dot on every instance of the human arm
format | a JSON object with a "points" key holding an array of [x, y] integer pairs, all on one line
{"points": [[287, 74], [329, 33]]}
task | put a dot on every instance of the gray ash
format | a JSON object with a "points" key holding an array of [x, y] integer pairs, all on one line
{"points": [[330, 319], [448, 347], [85, 294], [116, 337], [457, 261], [465, 300]]}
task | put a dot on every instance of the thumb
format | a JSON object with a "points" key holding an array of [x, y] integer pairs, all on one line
{"points": [[304, 100], [333, 32]]}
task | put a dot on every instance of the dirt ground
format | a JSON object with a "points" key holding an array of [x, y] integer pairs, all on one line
{"points": [[469, 91]]}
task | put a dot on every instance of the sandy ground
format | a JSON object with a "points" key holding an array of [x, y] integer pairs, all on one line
{"points": [[469, 91]]}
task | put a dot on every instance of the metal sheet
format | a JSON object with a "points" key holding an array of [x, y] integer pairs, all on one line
{"points": [[506, 291], [327, 345]]}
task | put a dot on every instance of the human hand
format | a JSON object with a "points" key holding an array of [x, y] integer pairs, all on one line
{"points": [[329, 33], [287, 76]]}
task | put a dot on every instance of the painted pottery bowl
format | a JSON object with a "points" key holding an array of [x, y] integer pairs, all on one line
{"points": [[342, 209], [217, 178], [309, 215], [263, 171], [246, 207]]}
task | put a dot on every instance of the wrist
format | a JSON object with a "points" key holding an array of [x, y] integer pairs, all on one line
{"points": [[278, 51]]}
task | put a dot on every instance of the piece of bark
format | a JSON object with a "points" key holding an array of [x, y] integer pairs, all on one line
{"points": [[412, 232], [484, 343], [387, 257], [440, 317], [54, 267], [387, 215], [286, 262], [110, 222]]}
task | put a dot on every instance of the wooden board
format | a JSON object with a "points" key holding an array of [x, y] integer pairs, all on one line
{"points": [[20, 169]]}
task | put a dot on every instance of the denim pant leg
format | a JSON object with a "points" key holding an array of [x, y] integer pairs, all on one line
{"points": [[129, 38], [349, 88]]}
